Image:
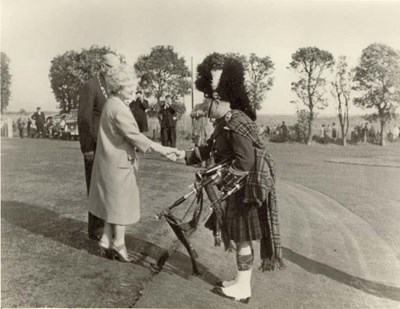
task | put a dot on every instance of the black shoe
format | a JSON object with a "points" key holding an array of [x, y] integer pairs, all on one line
{"points": [[218, 291], [219, 284], [93, 236], [105, 252], [120, 253]]}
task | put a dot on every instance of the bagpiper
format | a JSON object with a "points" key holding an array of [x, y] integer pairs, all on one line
{"points": [[251, 213]]}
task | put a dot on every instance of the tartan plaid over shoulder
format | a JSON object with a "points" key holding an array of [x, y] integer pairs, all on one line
{"points": [[260, 190], [261, 179]]}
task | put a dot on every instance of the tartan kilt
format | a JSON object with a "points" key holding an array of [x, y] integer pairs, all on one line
{"points": [[245, 222]]}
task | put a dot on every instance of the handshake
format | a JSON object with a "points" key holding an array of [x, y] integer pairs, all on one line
{"points": [[170, 153]]}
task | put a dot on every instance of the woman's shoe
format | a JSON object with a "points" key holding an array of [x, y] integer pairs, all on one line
{"points": [[121, 253], [104, 251]]}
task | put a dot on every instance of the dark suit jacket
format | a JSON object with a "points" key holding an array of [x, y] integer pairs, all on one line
{"points": [[91, 102], [138, 108], [166, 117], [39, 119]]}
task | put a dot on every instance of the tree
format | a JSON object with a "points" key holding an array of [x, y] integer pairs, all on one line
{"points": [[163, 72], [301, 126], [259, 79], [70, 70], [5, 81], [341, 88], [377, 79], [311, 63]]}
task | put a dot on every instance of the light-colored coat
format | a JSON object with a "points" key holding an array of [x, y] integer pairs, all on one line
{"points": [[114, 194]]}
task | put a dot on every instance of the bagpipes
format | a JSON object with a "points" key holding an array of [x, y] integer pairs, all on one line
{"points": [[206, 180]]}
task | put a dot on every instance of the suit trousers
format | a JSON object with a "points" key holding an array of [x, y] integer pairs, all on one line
{"points": [[40, 130], [95, 224], [168, 136]]}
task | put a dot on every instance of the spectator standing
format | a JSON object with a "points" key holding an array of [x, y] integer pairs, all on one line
{"points": [[40, 120], [396, 132], [199, 124], [139, 107], [372, 134], [322, 133], [21, 125], [28, 127], [364, 132], [284, 131], [354, 134], [334, 132], [328, 134], [49, 126], [202, 127], [91, 101], [167, 117]]}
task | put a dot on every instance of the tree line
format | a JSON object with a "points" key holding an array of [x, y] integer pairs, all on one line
{"points": [[373, 84], [161, 72]]}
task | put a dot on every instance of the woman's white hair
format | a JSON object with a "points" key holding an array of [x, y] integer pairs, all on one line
{"points": [[120, 77]]}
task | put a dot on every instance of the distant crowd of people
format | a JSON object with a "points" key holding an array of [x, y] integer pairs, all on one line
{"points": [[279, 131], [328, 133], [367, 133], [40, 124]]}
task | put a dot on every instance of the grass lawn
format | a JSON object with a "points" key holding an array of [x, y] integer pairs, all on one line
{"points": [[45, 260]]}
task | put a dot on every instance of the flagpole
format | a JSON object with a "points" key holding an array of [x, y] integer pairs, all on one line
{"points": [[191, 60]]}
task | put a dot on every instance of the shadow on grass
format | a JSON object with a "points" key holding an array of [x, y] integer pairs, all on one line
{"points": [[364, 285], [71, 232]]}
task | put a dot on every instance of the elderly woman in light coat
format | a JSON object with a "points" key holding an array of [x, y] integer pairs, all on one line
{"points": [[114, 194]]}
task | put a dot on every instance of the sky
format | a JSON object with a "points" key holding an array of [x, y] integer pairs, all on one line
{"points": [[33, 32]]}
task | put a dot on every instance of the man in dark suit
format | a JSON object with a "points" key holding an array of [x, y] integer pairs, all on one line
{"points": [[139, 107], [91, 101], [167, 117], [40, 119]]}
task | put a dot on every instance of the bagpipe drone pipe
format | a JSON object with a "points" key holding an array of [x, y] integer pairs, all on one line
{"points": [[206, 180]]}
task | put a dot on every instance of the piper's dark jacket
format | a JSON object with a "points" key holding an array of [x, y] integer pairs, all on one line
{"points": [[91, 102], [225, 144], [138, 108]]}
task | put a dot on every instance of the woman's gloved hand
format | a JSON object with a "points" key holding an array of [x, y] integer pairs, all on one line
{"points": [[168, 152]]}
